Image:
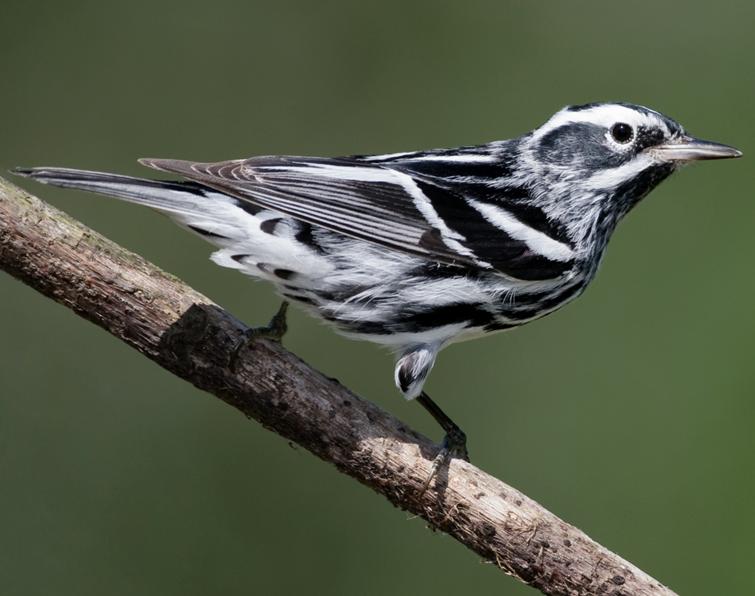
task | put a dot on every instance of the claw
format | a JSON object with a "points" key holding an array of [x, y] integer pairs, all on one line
{"points": [[278, 325], [274, 330], [454, 446]]}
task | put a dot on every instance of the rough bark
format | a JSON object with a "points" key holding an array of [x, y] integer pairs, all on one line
{"points": [[188, 335]]}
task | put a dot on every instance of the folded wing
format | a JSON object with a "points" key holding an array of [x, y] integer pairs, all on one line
{"points": [[391, 206]]}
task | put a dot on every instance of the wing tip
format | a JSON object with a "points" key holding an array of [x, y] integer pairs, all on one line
{"points": [[152, 162], [182, 167]]}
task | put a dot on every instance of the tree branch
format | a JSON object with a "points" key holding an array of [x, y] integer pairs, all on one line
{"points": [[185, 333]]}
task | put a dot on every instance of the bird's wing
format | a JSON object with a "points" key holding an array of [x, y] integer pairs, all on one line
{"points": [[388, 205]]}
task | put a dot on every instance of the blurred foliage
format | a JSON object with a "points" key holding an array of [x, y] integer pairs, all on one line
{"points": [[629, 412]]}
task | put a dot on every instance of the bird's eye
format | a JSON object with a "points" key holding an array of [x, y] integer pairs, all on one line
{"points": [[622, 133]]}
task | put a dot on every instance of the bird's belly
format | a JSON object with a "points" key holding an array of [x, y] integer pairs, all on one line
{"points": [[381, 295]]}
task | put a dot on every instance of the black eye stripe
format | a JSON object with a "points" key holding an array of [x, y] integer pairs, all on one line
{"points": [[647, 137]]}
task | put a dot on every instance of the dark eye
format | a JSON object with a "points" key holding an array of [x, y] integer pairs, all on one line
{"points": [[622, 133]]}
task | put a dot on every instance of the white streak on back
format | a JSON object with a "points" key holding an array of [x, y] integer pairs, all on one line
{"points": [[388, 176], [536, 241], [356, 173], [387, 156], [463, 158], [422, 203]]}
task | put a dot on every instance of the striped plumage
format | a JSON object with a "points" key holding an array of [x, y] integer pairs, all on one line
{"points": [[417, 250]]}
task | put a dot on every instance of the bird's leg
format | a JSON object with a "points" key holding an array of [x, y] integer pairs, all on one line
{"points": [[454, 443], [274, 330]]}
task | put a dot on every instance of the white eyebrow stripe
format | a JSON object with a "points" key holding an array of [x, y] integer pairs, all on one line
{"points": [[535, 240], [602, 115]]}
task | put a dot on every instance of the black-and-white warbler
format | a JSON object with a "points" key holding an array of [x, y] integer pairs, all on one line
{"points": [[420, 249]]}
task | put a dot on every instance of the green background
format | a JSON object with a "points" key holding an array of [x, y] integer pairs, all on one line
{"points": [[630, 413]]}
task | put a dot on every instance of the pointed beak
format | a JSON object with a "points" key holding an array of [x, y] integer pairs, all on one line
{"points": [[690, 149]]}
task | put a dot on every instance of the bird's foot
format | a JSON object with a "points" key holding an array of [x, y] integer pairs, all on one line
{"points": [[454, 446], [274, 330]]}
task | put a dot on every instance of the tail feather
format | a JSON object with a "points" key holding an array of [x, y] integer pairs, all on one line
{"points": [[179, 197], [211, 214], [240, 229]]}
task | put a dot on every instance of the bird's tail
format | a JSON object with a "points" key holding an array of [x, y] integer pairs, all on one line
{"points": [[172, 197], [211, 214], [233, 225]]}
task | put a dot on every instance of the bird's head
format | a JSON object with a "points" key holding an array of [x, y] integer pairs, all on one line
{"points": [[610, 155]]}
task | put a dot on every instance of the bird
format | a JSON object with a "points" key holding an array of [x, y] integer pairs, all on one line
{"points": [[420, 249]]}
